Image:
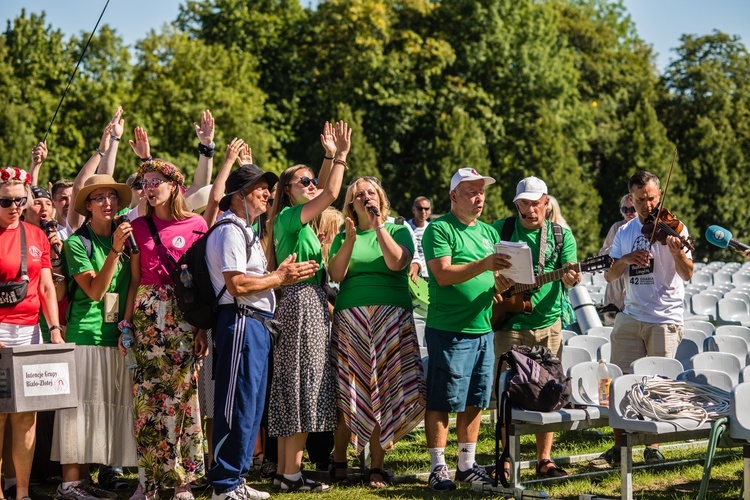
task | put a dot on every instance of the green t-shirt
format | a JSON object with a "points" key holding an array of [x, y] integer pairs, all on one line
{"points": [[368, 280], [465, 307], [86, 324], [291, 236], [547, 300]]}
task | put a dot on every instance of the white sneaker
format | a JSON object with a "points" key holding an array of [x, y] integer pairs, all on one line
{"points": [[253, 494], [242, 492]]}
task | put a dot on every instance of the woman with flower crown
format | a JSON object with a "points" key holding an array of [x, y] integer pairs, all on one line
{"points": [[168, 425], [23, 293]]}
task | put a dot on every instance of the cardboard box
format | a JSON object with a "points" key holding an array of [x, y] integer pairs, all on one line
{"points": [[38, 377]]}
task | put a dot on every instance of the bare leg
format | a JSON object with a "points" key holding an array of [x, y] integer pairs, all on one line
{"points": [[544, 448], [377, 454], [210, 438], [467, 424], [23, 426], [341, 439], [436, 428], [292, 451]]}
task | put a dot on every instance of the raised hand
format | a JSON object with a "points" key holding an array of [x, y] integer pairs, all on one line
{"points": [[205, 131], [343, 137], [106, 139], [233, 150], [246, 156], [351, 230], [118, 124], [328, 139], [38, 154], [292, 272], [141, 146]]}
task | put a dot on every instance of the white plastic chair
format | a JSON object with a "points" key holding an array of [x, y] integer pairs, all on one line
{"points": [[722, 277], [733, 312], [572, 355], [734, 330], [714, 378], [727, 343], [686, 350], [722, 361], [600, 331], [656, 365], [605, 352], [702, 277], [584, 381], [566, 334], [745, 374], [703, 326], [589, 343], [697, 336], [703, 304], [741, 278]]}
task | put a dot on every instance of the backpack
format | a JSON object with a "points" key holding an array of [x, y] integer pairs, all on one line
{"points": [[193, 289], [537, 382]]}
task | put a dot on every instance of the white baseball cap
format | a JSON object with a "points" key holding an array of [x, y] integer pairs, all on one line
{"points": [[469, 174], [530, 188]]}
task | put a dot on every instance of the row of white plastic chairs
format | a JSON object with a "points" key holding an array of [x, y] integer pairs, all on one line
{"points": [[723, 304]]}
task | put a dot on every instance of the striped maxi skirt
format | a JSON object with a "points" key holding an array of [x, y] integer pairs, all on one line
{"points": [[380, 375]]}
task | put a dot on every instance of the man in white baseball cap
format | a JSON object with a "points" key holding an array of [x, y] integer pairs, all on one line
{"points": [[530, 188], [460, 256]]}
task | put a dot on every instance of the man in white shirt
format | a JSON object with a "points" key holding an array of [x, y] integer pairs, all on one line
{"points": [[421, 209], [651, 323], [62, 194]]}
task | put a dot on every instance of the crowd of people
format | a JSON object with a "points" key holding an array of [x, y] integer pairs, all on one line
{"points": [[315, 344]]}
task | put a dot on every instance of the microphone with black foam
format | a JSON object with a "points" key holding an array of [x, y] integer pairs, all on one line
{"points": [[372, 208], [131, 239], [722, 238]]}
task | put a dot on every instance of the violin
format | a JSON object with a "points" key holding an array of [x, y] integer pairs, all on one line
{"points": [[667, 225]]}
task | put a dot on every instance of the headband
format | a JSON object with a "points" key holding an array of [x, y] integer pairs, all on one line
{"points": [[14, 174], [165, 168]]}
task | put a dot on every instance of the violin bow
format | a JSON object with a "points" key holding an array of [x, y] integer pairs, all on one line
{"points": [[662, 199]]}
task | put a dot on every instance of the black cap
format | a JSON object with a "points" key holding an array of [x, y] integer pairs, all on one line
{"points": [[40, 192], [242, 178]]}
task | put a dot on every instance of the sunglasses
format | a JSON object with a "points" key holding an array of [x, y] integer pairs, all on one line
{"points": [[101, 200], [138, 186], [627, 210], [7, 202], [305, 181], [153, 183], [423, 209]]}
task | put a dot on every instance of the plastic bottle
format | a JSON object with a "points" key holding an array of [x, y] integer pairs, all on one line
{"points": [[603, 381], [127, 338], [186, 277]]}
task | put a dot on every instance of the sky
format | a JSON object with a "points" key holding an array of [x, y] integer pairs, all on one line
{"points": [[659, 22]]}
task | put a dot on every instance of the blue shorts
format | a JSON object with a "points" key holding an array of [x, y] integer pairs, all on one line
{"points": [[459, 370]]}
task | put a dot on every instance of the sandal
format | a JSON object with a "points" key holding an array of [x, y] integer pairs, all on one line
{"points": [[276, 482], [302, 484], [337, 479], [552, 470], [384, 481]]}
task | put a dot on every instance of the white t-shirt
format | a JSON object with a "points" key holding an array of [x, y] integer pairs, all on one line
{"points": [[654, 294], [418, 253], [64, 232], [225, 251]]}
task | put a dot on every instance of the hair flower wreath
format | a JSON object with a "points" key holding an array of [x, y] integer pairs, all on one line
{"points": [[14, 174], [165, 168]]}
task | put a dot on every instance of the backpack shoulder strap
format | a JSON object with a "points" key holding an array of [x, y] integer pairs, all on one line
{"points": [[85, 236], [508, 226]]}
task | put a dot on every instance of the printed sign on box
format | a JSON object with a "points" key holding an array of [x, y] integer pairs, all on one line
{"points": [[37, 377]]}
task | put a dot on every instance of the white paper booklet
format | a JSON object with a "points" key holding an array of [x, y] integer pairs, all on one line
{"points": [[522, 267]]}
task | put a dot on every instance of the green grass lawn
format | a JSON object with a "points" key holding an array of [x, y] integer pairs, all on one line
{"points": [[410, 456]]}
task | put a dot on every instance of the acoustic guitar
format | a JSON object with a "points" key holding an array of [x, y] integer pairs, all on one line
{"points": [[517, 299]]}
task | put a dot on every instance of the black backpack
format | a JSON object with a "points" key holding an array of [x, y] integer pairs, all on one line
{"points": [[192, 281], [537, 382]]}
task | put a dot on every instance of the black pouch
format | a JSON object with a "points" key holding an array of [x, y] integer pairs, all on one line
{"points": [[13, 292]]}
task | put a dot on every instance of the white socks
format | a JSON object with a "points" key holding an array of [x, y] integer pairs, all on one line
{"points": [[466, 456], [437, 457]]}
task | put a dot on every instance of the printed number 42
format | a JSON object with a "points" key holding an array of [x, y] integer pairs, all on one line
{"points": [[634, 280]]}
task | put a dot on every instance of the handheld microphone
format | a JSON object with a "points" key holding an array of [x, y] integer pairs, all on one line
{"points": [[720, 237], [372, 208], [131, 240], [48, 226]]}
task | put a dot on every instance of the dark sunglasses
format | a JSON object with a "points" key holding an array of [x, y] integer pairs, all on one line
{"points": [[423, 209], [305, 181], [7, 202], [627, 210], [138, 186]]}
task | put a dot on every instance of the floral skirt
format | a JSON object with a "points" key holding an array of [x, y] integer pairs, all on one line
{"points": [[167, 415], [380, 375]]}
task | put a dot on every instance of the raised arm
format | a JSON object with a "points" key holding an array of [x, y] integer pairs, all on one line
{"points": [[140, 146], [328, 141], [234, 150], [38, 155], [330, 190], [89, 168], [107, 165], [206, 146]]}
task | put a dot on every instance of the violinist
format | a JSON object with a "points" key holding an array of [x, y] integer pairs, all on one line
{"points": [[655, 274]]}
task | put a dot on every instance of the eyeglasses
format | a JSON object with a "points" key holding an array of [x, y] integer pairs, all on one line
{"points": [[153, 183], [7, 202], [305, 181], [101, 200], [423, 209], [627, 210], [138, 186]]}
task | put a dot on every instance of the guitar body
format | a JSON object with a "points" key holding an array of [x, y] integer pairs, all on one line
{"points": [[513, 303]]}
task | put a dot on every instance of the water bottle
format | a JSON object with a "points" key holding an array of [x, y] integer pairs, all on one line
{"points": [[603, 381], [127, 338], [185, 277]]}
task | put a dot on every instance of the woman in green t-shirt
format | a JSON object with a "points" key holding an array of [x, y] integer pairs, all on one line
{"points": [[303, 386], [96, 259], [381, 387]]}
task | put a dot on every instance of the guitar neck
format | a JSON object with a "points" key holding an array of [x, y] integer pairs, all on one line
{"points": [[543, 279]]}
